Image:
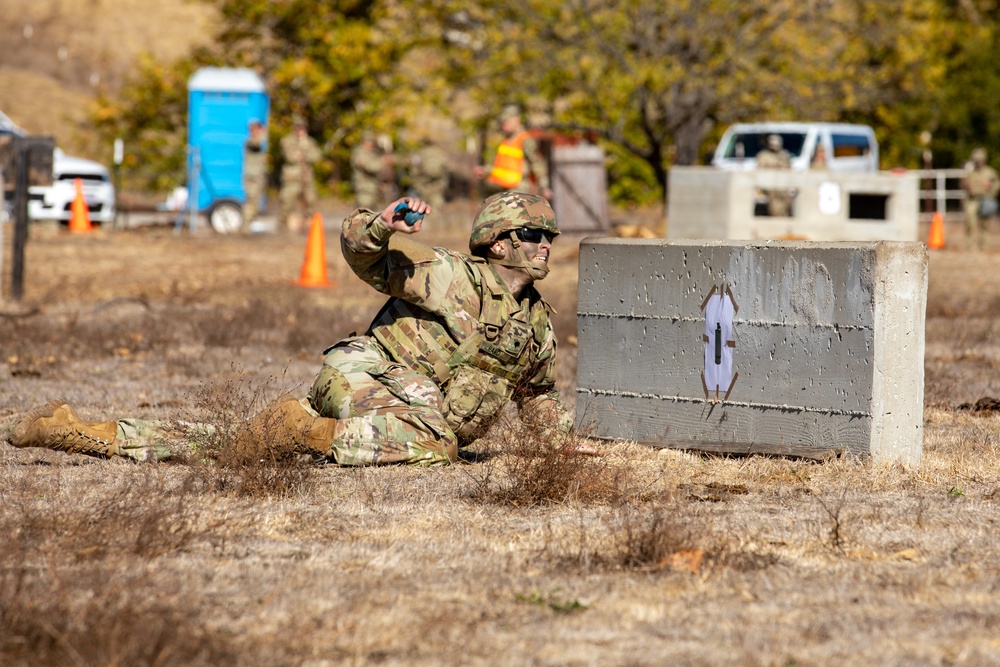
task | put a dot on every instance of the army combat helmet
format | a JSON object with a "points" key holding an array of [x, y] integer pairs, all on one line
{"points": [[509, 211]]}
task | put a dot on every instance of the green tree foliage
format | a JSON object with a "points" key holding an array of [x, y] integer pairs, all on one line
{"points": [[150, 114], [333, 62], [656, 82], [962, 112], [656, 79], [883, 62]]}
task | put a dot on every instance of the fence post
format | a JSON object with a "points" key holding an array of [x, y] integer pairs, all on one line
{"points": [[20, 211], [942, 206]]}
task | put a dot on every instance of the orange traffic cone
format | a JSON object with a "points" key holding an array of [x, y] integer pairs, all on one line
{"points": [[314, 266], [79, 216], [935, 239]]}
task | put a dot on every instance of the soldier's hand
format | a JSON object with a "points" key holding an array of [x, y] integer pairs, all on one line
{"points": [[396, 219]]}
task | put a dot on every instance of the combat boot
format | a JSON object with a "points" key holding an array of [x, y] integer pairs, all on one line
{"points": [[56, 426], [287, 421]]}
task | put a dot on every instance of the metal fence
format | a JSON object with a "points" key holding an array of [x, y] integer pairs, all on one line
{"points": [[940, 190]]}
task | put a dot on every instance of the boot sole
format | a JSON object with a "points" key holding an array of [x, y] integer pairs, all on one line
{"points": [[45, 411]]}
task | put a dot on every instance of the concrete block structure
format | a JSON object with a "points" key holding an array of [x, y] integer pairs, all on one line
{"points": [[796, 348], [708, 203]]}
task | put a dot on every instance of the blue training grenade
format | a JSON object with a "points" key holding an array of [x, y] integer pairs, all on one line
{"points": [[410, 217]]}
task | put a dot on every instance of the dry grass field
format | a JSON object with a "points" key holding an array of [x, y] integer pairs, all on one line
{"points": [[519, 556]]}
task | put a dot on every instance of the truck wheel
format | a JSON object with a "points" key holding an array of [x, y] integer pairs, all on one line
{"points": [[226, 217]]}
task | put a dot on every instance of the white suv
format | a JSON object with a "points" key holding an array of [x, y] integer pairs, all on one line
{"points": [[55, 202]]}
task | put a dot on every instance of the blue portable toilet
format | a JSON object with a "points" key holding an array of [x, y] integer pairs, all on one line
{"points": [[221, 103]]}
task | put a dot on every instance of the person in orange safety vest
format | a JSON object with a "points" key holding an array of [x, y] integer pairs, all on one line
{"points": [[518, 165]]}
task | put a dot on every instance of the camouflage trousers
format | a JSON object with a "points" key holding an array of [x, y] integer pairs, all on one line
{"points": [[779, 203], [976, 226], [253, 184], [386, 411], [160, 440], [297, 196]]}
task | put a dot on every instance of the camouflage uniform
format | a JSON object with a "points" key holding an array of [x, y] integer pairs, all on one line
{"points": [[980, 181], [534, 169], [388, 189], [254, 171], [444, 355], [435, 369], [298, 185], [779, 202], [367, 167], [535, 165], [429, 174]]}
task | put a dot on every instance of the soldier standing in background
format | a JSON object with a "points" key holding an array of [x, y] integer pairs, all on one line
{"points": [[818, 161], [459, 337], [298, 182], [387, 187], [254, 171], [779, 202], [518, 164], [981, 186], [429, 172], [367, 167]]}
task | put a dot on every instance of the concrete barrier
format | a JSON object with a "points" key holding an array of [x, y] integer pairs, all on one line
{"points": [[797, 348], [707, 203]]}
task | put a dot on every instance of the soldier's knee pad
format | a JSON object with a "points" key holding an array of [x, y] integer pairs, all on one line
{"points": [[332, 394]]}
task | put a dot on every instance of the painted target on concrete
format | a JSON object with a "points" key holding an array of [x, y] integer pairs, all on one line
{"points": [[718, 376]]}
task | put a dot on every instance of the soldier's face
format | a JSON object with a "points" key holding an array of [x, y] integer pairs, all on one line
{"points": [[510, 124], [538, 252], [535, 251]]}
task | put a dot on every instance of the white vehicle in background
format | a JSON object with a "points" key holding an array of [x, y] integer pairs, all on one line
{"points": [[55, 202], [848, 148]]}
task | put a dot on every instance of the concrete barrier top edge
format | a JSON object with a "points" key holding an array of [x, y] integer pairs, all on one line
{"points": [[729, 243]]}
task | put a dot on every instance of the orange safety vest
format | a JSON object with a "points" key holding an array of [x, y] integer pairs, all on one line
{"points": [[508, 167]]}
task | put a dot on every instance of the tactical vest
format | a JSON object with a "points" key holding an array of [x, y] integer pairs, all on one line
{"points": [[979, 182], [478, 375], [508, 166]]}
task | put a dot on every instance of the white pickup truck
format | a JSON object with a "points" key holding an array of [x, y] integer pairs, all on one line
{"points": [[848, 148], [55, 201]]}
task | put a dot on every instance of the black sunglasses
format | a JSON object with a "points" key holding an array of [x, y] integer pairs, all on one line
{"points": [[531, 235]]}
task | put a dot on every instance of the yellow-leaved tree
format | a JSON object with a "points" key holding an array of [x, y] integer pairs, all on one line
{"points": [[655, 80]]}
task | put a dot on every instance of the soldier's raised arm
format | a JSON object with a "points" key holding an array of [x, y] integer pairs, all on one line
{"points": [[365, 244]]}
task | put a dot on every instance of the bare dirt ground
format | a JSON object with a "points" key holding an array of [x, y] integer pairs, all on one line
{"points": [[640, 557]]}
